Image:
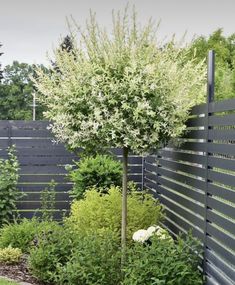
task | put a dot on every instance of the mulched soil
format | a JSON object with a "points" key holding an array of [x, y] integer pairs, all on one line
{"points": [[18, 272]]}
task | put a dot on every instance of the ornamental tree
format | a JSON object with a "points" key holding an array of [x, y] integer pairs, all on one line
{"points": [[121, 89]]}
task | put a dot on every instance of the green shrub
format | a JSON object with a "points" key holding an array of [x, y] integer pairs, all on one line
{"points": [[53, 250], [10, 255], [48, 201], [100, 171], [95, 260], [103, 211], [163, 262], [9, 193], [23, 235]]}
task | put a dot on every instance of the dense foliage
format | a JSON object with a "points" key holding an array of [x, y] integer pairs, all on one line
{"points": [[1, 76], [100, 171], [101, 212], [65, 256], [16, 92], [10, 255], [9, 194], [163, 262], [224, 48], [121, 90], [24, 235]]}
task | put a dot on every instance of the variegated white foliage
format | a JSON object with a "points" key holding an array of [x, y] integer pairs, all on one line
{"points": [[120, 90]]}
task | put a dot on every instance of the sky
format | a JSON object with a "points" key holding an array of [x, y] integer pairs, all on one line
{"points": [[29, 29]]}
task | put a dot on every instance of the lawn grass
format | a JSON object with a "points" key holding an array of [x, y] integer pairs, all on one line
{"points": [[5, 282]]}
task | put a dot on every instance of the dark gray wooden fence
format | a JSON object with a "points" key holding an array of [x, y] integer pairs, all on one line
{"points": [[196, 184], [41, 160]]}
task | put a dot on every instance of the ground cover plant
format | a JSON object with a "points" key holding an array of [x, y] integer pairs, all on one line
{"points": [[23, 234], [5, 282]]}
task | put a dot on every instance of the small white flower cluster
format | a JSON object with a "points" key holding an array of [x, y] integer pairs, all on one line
{"points": [[144, 235]]}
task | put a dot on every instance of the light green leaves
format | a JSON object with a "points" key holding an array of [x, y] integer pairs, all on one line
{"points": [[121, 89]]}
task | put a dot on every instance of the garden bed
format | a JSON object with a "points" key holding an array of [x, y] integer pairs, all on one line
{"points": [[18, 272]]}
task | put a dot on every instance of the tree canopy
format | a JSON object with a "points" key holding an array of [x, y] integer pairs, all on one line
{"points": [[225, 61], [120, 90], [1, 76], [16, 92]]}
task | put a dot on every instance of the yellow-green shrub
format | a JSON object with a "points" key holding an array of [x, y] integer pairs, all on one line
{"points": [[98, 212], [10, 255]]}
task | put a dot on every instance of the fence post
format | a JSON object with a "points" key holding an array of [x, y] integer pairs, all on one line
{"points": [[9, 130], [143, 166], [210, 98]]}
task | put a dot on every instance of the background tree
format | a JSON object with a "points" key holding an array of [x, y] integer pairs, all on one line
{"points": [[120, 90], [1, 75], [225, 61], [16, 92]]}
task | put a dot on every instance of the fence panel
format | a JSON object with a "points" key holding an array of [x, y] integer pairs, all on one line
{"points": [[42, 160], [195, 182]]}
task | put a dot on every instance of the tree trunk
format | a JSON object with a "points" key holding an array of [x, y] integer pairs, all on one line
{"points": [[124, 201]]}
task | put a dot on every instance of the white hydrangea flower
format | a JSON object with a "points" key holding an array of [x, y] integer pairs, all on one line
{"points": [[152, 230], [140, 236]]}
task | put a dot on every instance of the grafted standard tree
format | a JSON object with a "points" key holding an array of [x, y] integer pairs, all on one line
{"points": [[120, 90]]}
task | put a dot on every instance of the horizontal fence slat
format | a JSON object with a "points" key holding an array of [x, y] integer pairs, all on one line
{"points": [[192, 205], [33, 205], [218, 275], [221, 106], [193, 218], [47, 160], [36, 143], [39, 187], [33, 133], [150, 167], [226, 254], [223, 135], [188, 157], [178, 166], [194, 134], [58, 215], [190, 146], [221, 207], [43, 152], [221, 264], [196, 183], [196, 122], [46, 169], [221, 236], [225, 223], [199, 109], [223, 178], [219, 162], [36, 196], [182, 189], [221, 148], [43, 178], [225, 120], [221, 192]]}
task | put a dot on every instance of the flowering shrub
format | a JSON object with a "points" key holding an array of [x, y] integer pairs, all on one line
{"points": [[163, 262], [145, 235]]}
